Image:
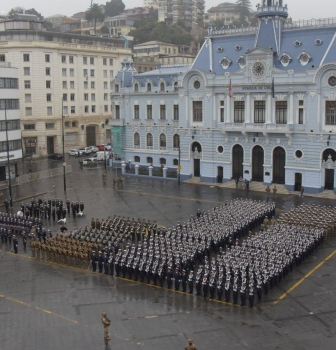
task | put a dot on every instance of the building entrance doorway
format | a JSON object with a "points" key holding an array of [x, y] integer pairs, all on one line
{"points": [[258, 164], [297, 182], [220, 174], [91, 136], [50, 145], [237, 161], [329, 155], [279, 163]]}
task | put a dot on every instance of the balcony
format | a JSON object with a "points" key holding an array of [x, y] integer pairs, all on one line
{"points": [[257, 127], [116, 122]]}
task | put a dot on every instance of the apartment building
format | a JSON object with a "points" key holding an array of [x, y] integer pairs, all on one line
{"points": [[9, 120], [56, 69]]}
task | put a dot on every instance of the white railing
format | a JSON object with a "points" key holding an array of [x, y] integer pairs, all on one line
{"points": [[321, 22]]}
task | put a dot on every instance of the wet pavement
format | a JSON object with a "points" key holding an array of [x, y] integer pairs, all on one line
{"points": [[48, 306]]}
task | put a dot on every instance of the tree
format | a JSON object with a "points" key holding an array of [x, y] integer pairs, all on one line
{"points": [[114, 8], [94, 13], [244, 8]]}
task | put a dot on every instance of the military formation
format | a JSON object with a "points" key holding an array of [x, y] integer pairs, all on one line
{"points": [[206, 255], [312, 216], [11, 224], [51, 209], [169, 257], [254, 266], [91, 245], [63, 250]]}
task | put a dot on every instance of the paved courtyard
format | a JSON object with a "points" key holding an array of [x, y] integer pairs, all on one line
{"points": [[48, 306]]}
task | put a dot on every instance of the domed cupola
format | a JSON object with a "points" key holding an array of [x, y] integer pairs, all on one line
{"points": [[271, 16]]}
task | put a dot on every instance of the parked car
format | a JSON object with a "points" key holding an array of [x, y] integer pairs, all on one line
{"points": [[55, 156], [94, 149], [76, 152], [107, 147], [86, 150]]}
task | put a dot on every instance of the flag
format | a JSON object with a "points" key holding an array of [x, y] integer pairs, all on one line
{"points": [[272, 88], [230, 89]]}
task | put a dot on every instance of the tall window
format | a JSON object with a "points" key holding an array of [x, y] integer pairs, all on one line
{"points": [[137, 140], [176, 141], [64, 72], [136, 112], [163, 141], [176, 112], [149, 87], [47, 58], [221, 111], [48, 97], [117, 112], [26, 71], [330, 113], [239, 111], [259, 111], [48, 84], [136, 87], [63, 59], [197, 111], [26, 57], [27, 84], [71, 59], [149, 112], [300, 112], [72, 84], [175, 86], [149, 160], [162, 87], [149, 140], [49, 110], [162, 112], [281, 112]]}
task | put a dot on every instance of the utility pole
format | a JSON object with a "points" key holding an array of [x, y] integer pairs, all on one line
{"points": [[64, 164], [179, 162]]}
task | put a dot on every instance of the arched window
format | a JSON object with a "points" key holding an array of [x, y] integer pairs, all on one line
{"points": [[149, 87], [136, 139], [175, 161], [176, 141], [162, 87], [163, 161], [136, 87], [175, 86], [163, 142], [149, 160], [136, 159], [149, 140]]}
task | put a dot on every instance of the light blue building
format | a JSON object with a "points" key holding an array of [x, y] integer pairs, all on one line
{"points": [[257, 102]]}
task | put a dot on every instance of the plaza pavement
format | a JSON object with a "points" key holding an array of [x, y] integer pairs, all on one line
{"points": [[49, 306]]}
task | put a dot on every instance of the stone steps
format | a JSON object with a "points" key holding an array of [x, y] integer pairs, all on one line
{"points": [[260, 187]]}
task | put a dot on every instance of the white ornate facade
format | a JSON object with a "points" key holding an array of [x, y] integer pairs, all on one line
{"points": [[257, 102]]}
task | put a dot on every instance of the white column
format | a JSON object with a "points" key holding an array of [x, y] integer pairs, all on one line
{"points": [[248, 108], [269, 109], [228, 118], [291, 109]]}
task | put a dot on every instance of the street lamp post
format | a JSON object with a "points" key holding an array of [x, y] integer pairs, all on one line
{"points": [[8, 163], [64, 164], [105, 151], [179, 162]]}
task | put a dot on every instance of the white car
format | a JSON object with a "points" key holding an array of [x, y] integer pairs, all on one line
{"points": [[76, 152], [86, 150], [94, 149]]}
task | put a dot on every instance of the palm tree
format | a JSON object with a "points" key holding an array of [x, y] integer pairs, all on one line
{"points": [[94, 13]]}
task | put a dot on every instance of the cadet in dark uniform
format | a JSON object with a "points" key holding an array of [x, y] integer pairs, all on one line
{"points": [[15, 244], [94, 261], [100, 262]]}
